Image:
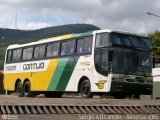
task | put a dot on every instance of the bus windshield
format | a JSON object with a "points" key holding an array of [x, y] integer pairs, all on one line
{"points": [[131, 62], [144, 62], [129, 40], [123, 62], [127, 53]]}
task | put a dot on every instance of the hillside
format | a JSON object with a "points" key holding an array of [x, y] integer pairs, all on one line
{"points": [[11, 36]]}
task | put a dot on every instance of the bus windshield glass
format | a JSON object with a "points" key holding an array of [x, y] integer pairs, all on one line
{"points": [[123, 62], [144, 62], [129, 40], [126, 61]]}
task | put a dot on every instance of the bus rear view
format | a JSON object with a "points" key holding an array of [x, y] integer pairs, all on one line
{"points": [[128, 65]]}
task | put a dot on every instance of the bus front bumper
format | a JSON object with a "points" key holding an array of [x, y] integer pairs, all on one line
{"points": [[130, 87]]}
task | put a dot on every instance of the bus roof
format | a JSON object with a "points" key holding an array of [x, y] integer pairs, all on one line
{"points": [[67, 36], [119, 31]]}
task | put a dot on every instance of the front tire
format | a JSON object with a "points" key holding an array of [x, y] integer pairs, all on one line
{"points": [[27, 89], [19, 89], [85, 89]]}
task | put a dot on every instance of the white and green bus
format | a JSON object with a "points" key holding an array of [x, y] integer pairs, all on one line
{"points": [[97, 62]]}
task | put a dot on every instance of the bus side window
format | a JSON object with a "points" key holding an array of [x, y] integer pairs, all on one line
{"points": [[102, 39], [9, 56], [80, 43], [63, 48], [101, 60], [14, 56], [98, 40], [71, 47], [97, 59], [49, 50], [42, 51], [104, 63], [19, 54], [88, 45], [55, 50], [24, 56], [36, 52], [30, 53]]}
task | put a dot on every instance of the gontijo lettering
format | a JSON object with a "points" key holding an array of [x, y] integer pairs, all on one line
{"points": [[33, 66]]}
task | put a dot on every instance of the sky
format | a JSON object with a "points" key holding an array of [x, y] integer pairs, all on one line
{"points": [[128, 15]]}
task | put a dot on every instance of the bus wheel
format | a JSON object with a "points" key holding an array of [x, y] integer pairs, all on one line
{"points": [[27, 89], [85, 89], [19, 89]]}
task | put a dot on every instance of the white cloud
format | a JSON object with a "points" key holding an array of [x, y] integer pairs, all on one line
{"points": [[117, 14], [32, 25], [29, 25]]}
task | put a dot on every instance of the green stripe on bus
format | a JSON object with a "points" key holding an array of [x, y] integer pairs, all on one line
{"points": [[82, 34], [62, 74], [66, 75], [57, 75]]}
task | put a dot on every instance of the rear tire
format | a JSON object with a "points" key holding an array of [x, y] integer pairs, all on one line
{"points": [[27, 89], [19, 89], [85, 89]]}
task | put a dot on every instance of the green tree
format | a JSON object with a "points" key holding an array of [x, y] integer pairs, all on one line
{"points": [[155, 38], [155, 41]]}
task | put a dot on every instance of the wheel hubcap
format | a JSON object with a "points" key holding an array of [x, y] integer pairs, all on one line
{"points": [[85, 88]]}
